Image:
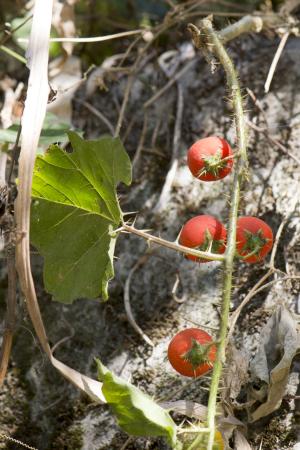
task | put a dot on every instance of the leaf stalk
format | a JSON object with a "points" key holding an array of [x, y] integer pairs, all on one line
{"points": [[173, 245]]}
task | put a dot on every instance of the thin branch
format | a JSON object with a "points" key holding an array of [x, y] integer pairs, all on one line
{"points": [[64, 339], [10, 317], [165, 192], [98, 114], [265, 131], [16, 441], [92, 39], [172, 245], [260, 284], [127, 305], [207, 39], [9, 33], [273, 141], [14, 155], [126, 443], [134, 70], [124, 104], [141, 142], [170, 83], [7, 224], [275, 60]]}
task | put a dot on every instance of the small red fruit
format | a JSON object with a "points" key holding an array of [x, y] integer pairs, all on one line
{"points": [[254, 238], [203, 233], [210, 159], [192, 352]]}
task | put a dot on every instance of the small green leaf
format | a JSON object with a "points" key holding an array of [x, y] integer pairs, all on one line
{"points": [[136, 412], [74, 212], [53, 131]]}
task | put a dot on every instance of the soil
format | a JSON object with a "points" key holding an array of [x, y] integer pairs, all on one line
{"points": [[40, 408]]}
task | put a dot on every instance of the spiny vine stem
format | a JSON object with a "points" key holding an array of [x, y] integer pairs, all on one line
{"points": [[211, 43], [172, 245]]}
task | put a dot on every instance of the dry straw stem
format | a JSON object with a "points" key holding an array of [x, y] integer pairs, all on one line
{"points": [[209, 41], [32, 120]]}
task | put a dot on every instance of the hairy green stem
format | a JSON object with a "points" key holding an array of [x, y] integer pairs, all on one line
{"points": [[210, 41], [12, 53]]}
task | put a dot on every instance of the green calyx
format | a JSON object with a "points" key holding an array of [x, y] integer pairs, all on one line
{"points": [[198, 354], [213, 164], [254, 242], [209, 244]]}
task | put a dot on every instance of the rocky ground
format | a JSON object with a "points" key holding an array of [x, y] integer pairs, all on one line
{"points": [[37, 406]]}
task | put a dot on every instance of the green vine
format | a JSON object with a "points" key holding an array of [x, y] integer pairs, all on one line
{"points": [[209, 41]]}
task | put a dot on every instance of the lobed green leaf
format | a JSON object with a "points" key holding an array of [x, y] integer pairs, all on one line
{"points": [[136, 412], [74, 212]]}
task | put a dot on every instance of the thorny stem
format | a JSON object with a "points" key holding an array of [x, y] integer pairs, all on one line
{"points": [[206, 37], [172, 245]]}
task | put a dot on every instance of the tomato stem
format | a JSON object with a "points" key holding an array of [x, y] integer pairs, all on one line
{"points": [[211, 43]]}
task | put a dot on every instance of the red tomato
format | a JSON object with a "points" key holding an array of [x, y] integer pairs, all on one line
{"points": [[203, 233], [253, 236], [191, 352], [206, 159]]}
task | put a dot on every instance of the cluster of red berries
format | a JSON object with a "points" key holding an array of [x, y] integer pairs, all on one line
{"points": [[192, 352], [211, 159]]}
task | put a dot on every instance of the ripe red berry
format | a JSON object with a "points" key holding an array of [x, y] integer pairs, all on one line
{"points": [[191, 352], [254, 238], [203, 233], [210, 159]]}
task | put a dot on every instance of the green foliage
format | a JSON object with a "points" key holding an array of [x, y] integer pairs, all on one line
{"points": [[74, 213], [24, 33], [136, 412], [53, 131]]}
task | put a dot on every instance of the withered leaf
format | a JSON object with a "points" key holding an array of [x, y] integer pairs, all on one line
{"points": [[271, 365], [236, 373]]}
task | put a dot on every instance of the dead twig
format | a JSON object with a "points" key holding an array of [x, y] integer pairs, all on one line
{"points": [[273, 140], [7, 225], [165, 193], [260, 284], [276, 58], [174, 290], [170, 83], [64, 339], [126, 443], [169, 67], [126, 297], [91, 39], [16, 441], [98, 114], [141, 143], [264, 130]]}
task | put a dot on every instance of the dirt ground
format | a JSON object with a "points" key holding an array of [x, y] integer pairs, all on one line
{"points": [[37, 406]]}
